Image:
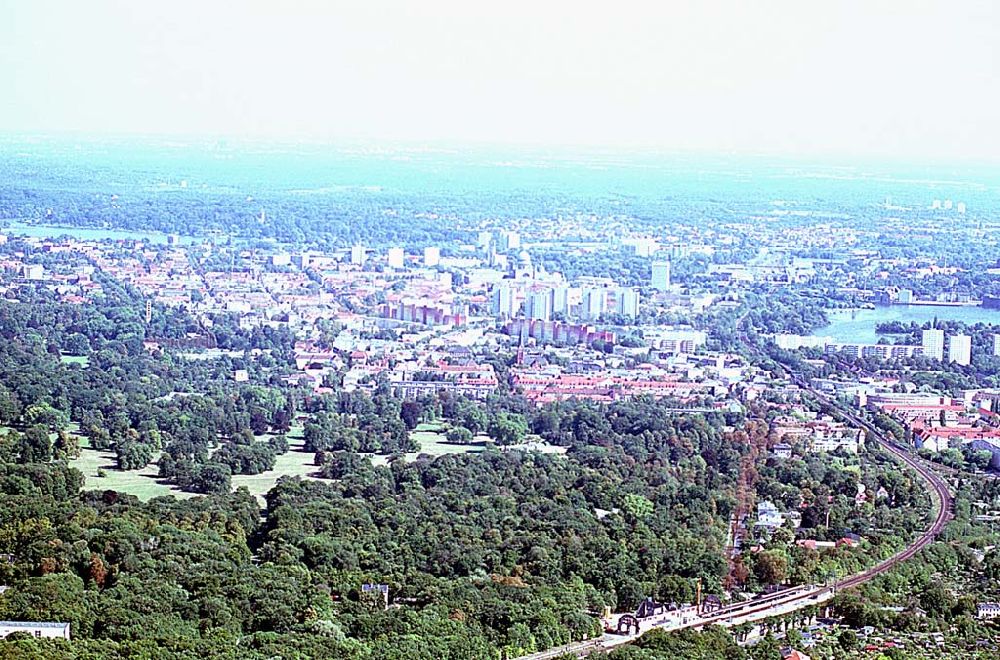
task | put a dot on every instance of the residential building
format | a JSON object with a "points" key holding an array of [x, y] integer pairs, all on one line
{"points": [[560, 300], [988, 610], [540, 304], [661, 275], [996, 345], [628, 302], [960, 349], [395, 258], [34, 272], [358, 255], [595, 303], [432, 256], [675, 341], [933, 342], [509, 240], [504, 301]]}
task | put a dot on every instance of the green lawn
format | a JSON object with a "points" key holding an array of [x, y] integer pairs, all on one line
{"points": [[430, 435], [81, 360], [143, 483], [293, 463]]}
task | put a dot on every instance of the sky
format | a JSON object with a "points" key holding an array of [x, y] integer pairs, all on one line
{"points": [[895, 78]]}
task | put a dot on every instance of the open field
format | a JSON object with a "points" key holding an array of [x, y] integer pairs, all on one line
{"points": [[293, 463], [81, 360], [430, 435], [143, 483]]}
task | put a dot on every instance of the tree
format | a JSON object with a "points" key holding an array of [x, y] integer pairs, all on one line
{"points": [[459, 435], [211, 478], [10, 406], [36, 446], [507, 428], [771, 567], [410, 412]]}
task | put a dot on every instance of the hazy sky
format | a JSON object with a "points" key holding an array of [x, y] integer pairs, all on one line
{"points": [[888, 78]]}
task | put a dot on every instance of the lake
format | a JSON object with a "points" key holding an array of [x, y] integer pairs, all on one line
{"points": [[858, 326], [90, 234]]}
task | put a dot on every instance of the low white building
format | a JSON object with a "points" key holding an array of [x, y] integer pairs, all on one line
{"points": [[988, 610], [35, 628]]}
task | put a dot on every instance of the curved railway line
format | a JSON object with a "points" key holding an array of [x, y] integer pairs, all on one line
{"points": [[796, 598]]}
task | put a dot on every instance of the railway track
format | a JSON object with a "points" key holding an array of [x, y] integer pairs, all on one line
{"points": [[764, 607]]}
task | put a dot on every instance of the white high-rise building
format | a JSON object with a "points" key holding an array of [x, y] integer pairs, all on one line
{"points": [[508, 240], [996, 344], [432, 256], [358, 255], [503, 301], [960, 207], [484, 240], [960, 349], [628, 302], [560, 300], [661, 275], [646, 247], [595, 303], [395, 258], [540, 304], [933, 342]]}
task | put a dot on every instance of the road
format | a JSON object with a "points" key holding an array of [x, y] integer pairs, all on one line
{"points": [[792, 599]]}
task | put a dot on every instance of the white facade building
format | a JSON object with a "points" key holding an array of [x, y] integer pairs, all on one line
{"points": [[933, 342], [395, 258], [661, 275], [960, 349]]}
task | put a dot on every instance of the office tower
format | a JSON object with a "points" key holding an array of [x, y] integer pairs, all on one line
{"points": [[594, 303], [358, 255], [395, 257], [540, 304], [432, 256], [933, 342], [661, 275], [960, 349], [503, 301], [560, 300], [628, 302]]}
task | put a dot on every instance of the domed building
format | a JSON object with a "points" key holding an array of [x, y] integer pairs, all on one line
{"points": [[523, 267]]}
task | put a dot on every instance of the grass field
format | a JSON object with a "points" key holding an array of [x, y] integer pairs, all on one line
{"points": [[81, 360], [145, 485], [293, 463], [430, 435]]}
